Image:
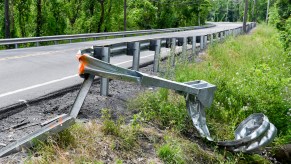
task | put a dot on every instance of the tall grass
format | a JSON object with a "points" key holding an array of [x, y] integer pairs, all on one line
{"points": [[252, 74]]}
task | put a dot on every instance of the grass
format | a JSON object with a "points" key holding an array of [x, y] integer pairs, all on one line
{"points": [[252, 74]]}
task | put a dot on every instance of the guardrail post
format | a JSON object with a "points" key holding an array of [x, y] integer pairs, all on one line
{"points": [[16, 45], [173, 51], [205, 41], [184, 48], [183, 42], [56, 42], [133, 48], [155, 45], [37, 44], [70, 40], [103, 53], [221, 35], [201, 42], [211, 38], [168, 42], [193, 44]]}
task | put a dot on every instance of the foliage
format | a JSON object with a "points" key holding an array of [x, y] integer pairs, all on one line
{"points": [[233, 10], [280, 17], [56, 17]]}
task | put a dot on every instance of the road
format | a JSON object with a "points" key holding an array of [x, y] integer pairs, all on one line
{"points": [[29, 73]]}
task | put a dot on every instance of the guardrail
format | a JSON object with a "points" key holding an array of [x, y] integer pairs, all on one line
{"points": [[55, 39], [253, 133]]}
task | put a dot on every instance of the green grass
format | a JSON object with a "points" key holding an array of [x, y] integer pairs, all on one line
{"points": [[252, 75]]}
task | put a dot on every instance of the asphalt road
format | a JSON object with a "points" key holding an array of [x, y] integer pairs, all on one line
{"points": [[29, 73]]}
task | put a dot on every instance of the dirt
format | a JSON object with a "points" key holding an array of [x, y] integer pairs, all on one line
{"points": [[29, 119]]}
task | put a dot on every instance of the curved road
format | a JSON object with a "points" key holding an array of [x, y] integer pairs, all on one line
{"points": [[29, 73]]}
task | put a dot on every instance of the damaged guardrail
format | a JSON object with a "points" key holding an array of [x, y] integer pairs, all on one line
{"points": [[252, 134]]}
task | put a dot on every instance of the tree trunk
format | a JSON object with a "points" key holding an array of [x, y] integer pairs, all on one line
{"points": [[124, 15], [226, 16], [267, 14], [245, 16], [101, 21], [108, 15], [38, 18], [253, 11], [7, 19]]}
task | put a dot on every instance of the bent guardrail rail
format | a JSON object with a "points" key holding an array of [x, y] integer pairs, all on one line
{"points": [[252, 134]]}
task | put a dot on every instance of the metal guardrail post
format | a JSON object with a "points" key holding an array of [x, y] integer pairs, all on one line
{"points": [[205, 41], [56, 42], [201, 42], [37, 44], [184, 48], [16, 45], [193, 44], [211, 38], [173, 51], [155, 45], [103, 53], [133, 49], [168, 42], [221, 35]]}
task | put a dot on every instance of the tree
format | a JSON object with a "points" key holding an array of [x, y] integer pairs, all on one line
{"points": [[101, 20], [7, 19], [245, 16], [38, 18]]}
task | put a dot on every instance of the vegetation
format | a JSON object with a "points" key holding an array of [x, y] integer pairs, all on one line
{"points": [[280, 17], [55, 17]]}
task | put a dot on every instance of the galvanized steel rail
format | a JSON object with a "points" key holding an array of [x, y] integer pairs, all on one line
{"points": [[253, 133], [56, 38]]}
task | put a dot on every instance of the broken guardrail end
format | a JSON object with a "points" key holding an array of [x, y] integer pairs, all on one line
{"points": [[28, 141], [206, 91], [252, 134]]}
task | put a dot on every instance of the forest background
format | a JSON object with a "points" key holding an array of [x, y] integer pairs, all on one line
{"points": [[29, 18]]}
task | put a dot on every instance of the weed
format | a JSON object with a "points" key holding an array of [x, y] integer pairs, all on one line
{"points": [[109, 126]]}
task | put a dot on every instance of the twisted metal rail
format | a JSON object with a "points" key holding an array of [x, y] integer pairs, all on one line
{"points": [[252, 134]]}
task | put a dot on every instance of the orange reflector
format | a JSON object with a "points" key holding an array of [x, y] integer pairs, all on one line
{"points": [[83, 63]]}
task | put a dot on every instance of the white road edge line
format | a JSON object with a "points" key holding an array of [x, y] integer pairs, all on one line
{"points": [[55, 81]]}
